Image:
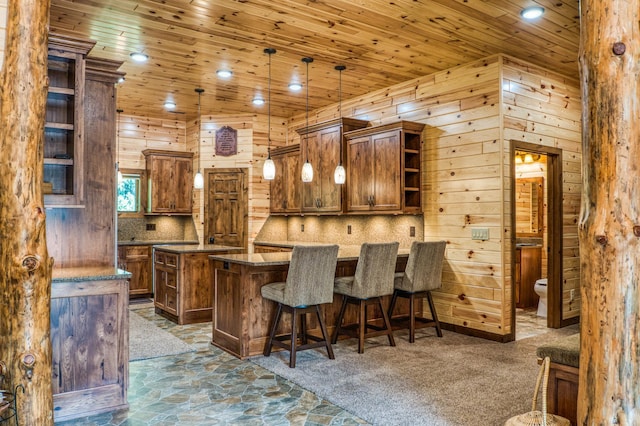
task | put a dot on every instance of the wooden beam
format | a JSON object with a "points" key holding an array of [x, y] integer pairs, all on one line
{"points": [[610, 222], [25, 266]]}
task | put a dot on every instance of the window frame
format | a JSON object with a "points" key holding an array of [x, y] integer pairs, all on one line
{"points": [[142, 207]]}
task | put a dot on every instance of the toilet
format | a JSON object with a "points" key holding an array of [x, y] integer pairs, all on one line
{"points": [[541, 290]]}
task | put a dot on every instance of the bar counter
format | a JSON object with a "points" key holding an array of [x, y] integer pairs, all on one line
{"points": [[241, 318]]}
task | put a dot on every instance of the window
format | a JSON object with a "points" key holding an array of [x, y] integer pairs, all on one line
{"points": [[130, 193]]}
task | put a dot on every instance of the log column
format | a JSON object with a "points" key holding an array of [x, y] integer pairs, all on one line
{"points": [[610, 216], [25, 266]]}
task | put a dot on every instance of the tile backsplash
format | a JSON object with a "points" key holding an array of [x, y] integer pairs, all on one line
{"points": [[345, 230], [167, 228]]}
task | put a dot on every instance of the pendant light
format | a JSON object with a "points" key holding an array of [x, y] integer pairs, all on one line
{"points": [[269, 167], [198, 180], [340, 175], [118, 147], [307, 169]]}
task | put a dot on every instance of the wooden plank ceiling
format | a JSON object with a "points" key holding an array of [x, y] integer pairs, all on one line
{"points": [[381, 42]]}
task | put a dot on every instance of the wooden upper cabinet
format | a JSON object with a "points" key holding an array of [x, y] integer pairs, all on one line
{"points": [[63, 180], [322, 144], [170, 175], [383, 169], [285, 187]]}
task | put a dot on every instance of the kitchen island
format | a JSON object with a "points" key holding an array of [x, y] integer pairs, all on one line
{"points": [[89, 340], [182, 280], [242, 318]]}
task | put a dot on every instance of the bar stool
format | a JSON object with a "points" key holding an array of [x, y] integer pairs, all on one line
{"points": [[422, 274], [372, 280], [309, 284]]}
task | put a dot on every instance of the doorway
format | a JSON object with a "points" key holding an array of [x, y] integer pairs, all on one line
{"points": [[226, 207], [536, 238]]}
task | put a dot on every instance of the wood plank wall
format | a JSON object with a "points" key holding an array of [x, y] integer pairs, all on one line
{"points": [[542, 108], [467, 166], [3, 29]]}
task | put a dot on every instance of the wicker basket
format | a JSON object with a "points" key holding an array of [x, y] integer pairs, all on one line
{"points": [[536, 417]]}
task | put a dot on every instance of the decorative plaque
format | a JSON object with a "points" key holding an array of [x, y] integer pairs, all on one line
{"points": [[226, 141]]}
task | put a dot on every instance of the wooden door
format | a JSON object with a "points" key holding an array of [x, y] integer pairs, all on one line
{"points": [[226, 207], [386, 170]]}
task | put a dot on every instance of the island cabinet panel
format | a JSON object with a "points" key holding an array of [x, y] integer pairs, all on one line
{"points": [[285, 192], [242, 318], [384, 169], [184, 282], [90, 347]]}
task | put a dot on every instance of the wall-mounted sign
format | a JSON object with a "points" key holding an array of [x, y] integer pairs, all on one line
{"points": [[226, 141]]}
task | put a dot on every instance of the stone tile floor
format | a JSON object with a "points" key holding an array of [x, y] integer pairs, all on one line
{"points": [[211, 387], [529, 324]]}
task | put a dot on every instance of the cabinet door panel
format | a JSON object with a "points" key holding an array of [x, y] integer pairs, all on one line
{"points": [[386, 167], [311, 191], [183, 183], [160, 182], [360, 173], [329, 157]]}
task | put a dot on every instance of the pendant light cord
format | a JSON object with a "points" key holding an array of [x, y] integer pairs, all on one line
{"points": [[199, 91], [340, 68], [307, 60], [269, 51]]}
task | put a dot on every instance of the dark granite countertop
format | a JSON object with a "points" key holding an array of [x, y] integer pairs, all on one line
{"points": [[345, 253], [89, 273], [193, 248], [154, 242]]}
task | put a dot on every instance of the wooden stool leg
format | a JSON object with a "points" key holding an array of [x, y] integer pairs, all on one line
{"points": [[412, 318], [303, 328], [294, 338], [362, 326], [433, 314], [325, 335], [336, 331], [392, 305], [387, 323], [276, 319]]}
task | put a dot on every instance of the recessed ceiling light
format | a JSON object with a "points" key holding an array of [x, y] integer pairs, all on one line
{"points": [[224, 73], [295, 87], [258, 101], [532, 12], [169, 105], [139, 57]]}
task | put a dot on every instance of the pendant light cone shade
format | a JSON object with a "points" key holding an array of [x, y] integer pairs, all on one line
{"points": [[118, 148], [340, 174], [198, 179], [307, 169], [269, 167]]}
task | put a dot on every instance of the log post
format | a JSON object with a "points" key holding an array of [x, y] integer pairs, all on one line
{"points": [[610, 214], [25, 266]]}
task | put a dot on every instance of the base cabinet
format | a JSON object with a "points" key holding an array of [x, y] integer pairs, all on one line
{"points": [[90, 346], [137, 261]]}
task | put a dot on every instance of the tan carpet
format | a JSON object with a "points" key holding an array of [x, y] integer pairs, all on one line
{"points": [[148, 341], [455, 380]]}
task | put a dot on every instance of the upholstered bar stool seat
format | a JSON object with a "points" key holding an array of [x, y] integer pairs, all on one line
{"points": [[422, 274], [309, 284], [372, 280]]}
